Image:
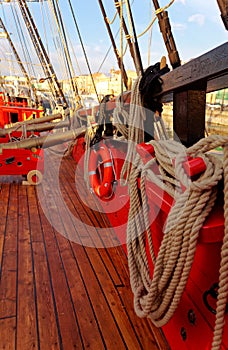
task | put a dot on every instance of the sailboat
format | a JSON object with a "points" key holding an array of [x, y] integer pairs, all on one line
{"points": [[163, 201]]}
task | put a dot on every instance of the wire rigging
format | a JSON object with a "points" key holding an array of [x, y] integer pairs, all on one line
{"points": [[24, 46], [70, 69], [83, 48]]}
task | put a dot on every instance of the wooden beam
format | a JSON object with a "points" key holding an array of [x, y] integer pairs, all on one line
{"points": [[205, 68]]}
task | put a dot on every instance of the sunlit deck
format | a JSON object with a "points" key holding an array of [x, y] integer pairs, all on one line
{"points": [[60, 293]]}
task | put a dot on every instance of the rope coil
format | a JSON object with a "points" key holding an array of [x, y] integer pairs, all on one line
{"points": [[158, 296]]}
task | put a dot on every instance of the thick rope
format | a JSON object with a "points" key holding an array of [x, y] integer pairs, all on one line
{"points": [[135, 128], [158, 296], [120, 118]]}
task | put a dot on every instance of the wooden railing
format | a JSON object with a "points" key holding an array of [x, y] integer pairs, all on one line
{"points": [[187, 86]]}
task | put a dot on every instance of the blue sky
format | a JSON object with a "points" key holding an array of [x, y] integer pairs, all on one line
{"points": [[196, 25]]}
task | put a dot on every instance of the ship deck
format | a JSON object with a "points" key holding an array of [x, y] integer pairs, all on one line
{"points": [[58, 292]]}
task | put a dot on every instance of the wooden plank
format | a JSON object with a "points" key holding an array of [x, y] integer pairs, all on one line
{"points": [[104, 317], [122, 310], [7, 333], [46, 311], [27, 336], [84, 314], [4, 198], [113, 319], [72, 296], [94, 218], [102, 309], [87, 323], [47, 325], [9, 260], [34, 220], [70, 337], [125, 323]]}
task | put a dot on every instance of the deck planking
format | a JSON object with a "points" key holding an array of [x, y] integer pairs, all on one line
{"points": [[56, 290]]}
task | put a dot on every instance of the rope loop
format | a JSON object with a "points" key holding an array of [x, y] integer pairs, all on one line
{"points": [[157, 295]]}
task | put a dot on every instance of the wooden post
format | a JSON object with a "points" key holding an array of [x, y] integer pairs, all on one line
{"points": [[189, 115]]}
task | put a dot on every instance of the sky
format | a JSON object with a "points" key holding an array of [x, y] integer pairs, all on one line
{"points": [[196, 26]]}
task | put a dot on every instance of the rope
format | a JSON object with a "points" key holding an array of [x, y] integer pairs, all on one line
{"points": [[160, 10], [135, 127], [158, 296], [120, 118]]}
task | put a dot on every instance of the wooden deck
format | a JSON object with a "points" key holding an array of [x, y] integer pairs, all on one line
{"points": [[60, 293]]}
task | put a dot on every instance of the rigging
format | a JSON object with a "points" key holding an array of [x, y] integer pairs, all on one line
{"points": [[2, 26], [42, 54], [119, 59]]}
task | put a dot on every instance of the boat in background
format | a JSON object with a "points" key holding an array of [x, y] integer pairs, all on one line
{"points": [[14, 109]]}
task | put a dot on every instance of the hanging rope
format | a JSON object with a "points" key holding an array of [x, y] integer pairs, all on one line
{"points": [[158, 297], [120, 118], [135, 128]]}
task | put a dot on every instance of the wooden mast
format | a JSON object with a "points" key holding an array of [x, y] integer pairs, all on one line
{"points": [[165, 28], [119, 59], [223, 6]]}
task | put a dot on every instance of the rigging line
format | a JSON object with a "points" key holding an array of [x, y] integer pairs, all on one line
{"points": [[62, 42], [118, 55], [121, 50], [24, 62], [73, 52], [104, 59], [83, 48], [16, 55], [149, 38], [114, 18], [159, 10], [51, 26], [68, 58], [22, 40], [40, 49], [135, 41], [128, 38], [45, 33], [55, 37], [107, 53], [58, 18]]}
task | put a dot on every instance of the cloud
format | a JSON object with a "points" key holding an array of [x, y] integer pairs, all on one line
{"points": [[197, 18], [178, 26], [182, 1]]}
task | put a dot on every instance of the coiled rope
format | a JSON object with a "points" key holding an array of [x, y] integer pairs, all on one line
{"points": [[158, 297]]}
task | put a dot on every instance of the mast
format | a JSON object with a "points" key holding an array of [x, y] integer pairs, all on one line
{"points": [[165, 28], [128, 38], [119, 59], [5, 32], [135, 42], [223, 6], [41, 53]]}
